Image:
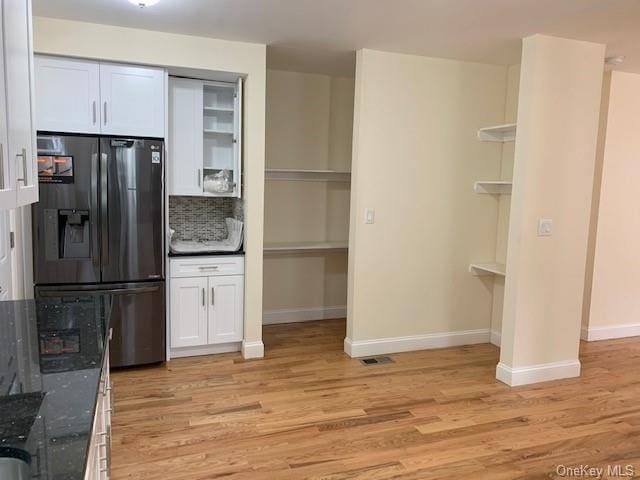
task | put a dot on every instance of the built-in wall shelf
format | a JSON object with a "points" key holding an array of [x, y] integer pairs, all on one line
{"points": [[493, 187], [499, 133], [484, 269], [303, 175], [288, 247]]}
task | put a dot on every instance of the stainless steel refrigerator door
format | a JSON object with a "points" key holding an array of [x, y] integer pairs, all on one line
{"points": [[132, 206], [137, 318], [74, 189]]}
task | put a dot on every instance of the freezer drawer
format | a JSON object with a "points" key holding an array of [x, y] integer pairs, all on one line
{"points": [[137, 318]]}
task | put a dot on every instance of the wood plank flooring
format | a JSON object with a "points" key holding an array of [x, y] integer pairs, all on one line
{"points": [[309, 411]]}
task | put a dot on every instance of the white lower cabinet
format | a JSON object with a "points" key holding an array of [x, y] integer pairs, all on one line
{"points": [[226, 301], [189, 312], [99, 454], [207, 303]]}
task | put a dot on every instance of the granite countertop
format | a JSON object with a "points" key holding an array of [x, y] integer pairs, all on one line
{"points": [[51, 355]]}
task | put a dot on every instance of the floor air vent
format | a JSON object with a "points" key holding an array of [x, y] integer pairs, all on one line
{"points": [[376, 360]]}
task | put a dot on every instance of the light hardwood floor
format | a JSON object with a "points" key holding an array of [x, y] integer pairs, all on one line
{"points": [[309, 411]]}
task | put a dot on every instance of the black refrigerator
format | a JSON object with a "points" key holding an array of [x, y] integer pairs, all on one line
{"points": [[99, 228]]}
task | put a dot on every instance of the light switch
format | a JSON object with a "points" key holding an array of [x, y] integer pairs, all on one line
{"points": [[369, 216], [545, 227]]}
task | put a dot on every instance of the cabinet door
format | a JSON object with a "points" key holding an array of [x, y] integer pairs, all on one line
{"points": [[68, 95], [226, 309], [132, 100], [185, 137], [188, 311], [18, 75], [8, 196]]}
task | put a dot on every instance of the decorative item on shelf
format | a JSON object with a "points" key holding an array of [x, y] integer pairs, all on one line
{"points": [[220, 182], [232, 243]]}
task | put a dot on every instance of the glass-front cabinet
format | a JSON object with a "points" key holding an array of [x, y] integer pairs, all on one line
{"points": [[205, 132]]}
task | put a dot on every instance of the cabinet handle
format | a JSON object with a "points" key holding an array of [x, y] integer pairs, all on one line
{"points": [[213, 296], [105, 113], [23, 154], [203, 304], [210, 267], [95, 114], [2, 185], [199, 178]]}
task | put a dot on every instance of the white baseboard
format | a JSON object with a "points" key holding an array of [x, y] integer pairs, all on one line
{"points": [[252, 349], [496, 338], [294, 315], [205, 350], [537, 373], [609, 332], [379, 346]]}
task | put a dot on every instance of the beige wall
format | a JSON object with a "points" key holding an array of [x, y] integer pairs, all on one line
{"points": [[415, 158], [309, 126], [86, 40], [558, 107], [615, 294]]}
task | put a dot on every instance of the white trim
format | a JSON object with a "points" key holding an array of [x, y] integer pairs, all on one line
{"points": [[496, 338], [252, 349], [544, 372], [293, 315], [205, 350], [378, 346], [613, 331]]}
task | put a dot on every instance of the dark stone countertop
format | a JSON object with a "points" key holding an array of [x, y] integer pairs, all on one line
{"points": [[205, 254], [51, 355]]}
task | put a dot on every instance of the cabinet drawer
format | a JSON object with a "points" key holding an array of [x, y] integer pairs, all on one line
{"points": [[206, 266]]}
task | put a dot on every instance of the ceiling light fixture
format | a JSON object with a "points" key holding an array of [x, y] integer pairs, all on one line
{"points": [[615, 60], [144, 3]]}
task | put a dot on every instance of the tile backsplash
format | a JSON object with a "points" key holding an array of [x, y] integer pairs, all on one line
{"points": [[202, 218]]}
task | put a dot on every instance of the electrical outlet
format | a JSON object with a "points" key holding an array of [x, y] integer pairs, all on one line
{"points": [[545, 227]]}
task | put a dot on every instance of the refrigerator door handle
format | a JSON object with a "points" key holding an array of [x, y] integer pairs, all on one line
{"points": [[93, 201], [108, 291], [104, 207]]}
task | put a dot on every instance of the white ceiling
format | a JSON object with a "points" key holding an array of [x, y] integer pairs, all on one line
{"points": [[321, 35]]}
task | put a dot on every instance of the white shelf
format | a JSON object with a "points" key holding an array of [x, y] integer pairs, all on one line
{"points": [[493, 187], [217, 132], [499, 133], [307, 175], [483, 269], [304, 247], [218, 109]]}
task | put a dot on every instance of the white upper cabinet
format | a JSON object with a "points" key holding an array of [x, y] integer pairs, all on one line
{"points": [[205, 133], [81, 96], [68, 95], [132, 100], [19, 172], [185, 137]]}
